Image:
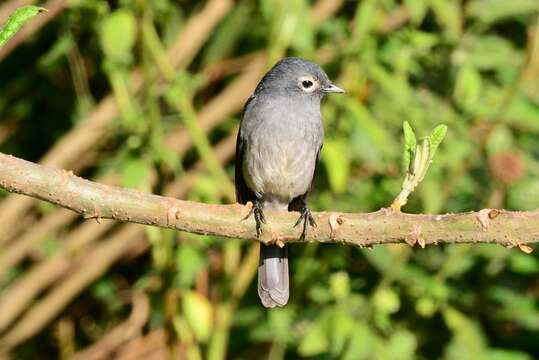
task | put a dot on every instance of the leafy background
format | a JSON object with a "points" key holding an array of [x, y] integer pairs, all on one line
{"points": [[148, 94]]}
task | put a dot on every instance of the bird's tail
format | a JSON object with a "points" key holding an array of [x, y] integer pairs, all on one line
{"points": [[273, 284]]}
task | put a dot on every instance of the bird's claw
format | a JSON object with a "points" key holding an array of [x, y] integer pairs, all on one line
{"points": [[307, 218], [260, 219]]}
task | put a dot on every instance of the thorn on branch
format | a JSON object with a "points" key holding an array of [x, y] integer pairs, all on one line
{"points": [[96, 215], [525, 248], [484, 218], [335, 221], [522, 247], [414, 237], [173, 214], [66, 174], [493, 213], [248, 206]]}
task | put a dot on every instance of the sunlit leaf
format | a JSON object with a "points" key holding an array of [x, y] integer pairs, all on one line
{"points": [[199, 314], [16, 21], [409, 145], [316, 340], [495, 10], [339, 284], [189, 262], [336, 160], [436, 137], [467, 87], [118, 34]]}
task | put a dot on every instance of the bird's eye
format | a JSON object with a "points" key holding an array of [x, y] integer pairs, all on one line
{"points": [[307, 83]]}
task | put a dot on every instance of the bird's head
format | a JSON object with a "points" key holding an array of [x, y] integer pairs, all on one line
{"points": [[298, 77]]}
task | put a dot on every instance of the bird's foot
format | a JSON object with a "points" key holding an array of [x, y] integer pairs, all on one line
{"points": [[260, 219], [307, 218]]}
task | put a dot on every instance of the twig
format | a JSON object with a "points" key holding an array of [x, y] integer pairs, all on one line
{"points": [[17, 296], [197, 31], [241, 280], [29, 240], [122, 333], [7, 129], [94, 265], [395, 19], [96, 200], [323, 9], [227, 67], [152, 346]]}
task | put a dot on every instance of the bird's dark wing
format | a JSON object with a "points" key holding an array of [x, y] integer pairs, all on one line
{"points": [[243, 193], [300, 202]]}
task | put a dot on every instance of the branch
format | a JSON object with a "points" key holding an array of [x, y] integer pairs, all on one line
{"points": [[94, 200]]}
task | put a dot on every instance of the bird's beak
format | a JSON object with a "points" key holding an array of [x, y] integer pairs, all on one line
{"points": [[331, 88]]}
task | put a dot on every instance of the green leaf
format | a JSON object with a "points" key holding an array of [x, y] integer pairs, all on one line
{"points": [[337, 163], [339, 283], [425, 306], [401, 345], [503, 354], [467, 336], [524, 195], [199, 314], [118, 34], [135, 173], [303, 39], [229, 34], [490, 11], [501, 138], [477, 51], [281, 321], [436, 137], [448, 14], [343, 325], [361, 343], [17, 20], [516, 307], [468, 87], [417, 9], [189, 262], [409, 145], [364, 21], [421, 160], [316, 341], [386, 300], [523, 263]]}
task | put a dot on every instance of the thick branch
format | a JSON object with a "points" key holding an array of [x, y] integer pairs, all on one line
{"points": [[94, 200]]}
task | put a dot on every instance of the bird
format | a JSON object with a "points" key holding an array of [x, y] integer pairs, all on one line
{"points": [[277, 152]]}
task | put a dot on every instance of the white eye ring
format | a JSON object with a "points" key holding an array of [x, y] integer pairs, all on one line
{"points": [[308, 84]]}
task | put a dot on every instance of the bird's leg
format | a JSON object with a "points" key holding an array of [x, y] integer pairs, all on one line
{"points": [[260, 219], [307, 218]]}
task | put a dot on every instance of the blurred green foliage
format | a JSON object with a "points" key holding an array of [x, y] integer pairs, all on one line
{"points": [[472, 65]]}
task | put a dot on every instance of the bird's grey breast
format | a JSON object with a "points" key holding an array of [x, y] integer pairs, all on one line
{"points": [[282, 136]]}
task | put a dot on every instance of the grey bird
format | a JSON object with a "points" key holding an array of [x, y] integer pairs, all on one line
{"points": [[277, 152]]}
